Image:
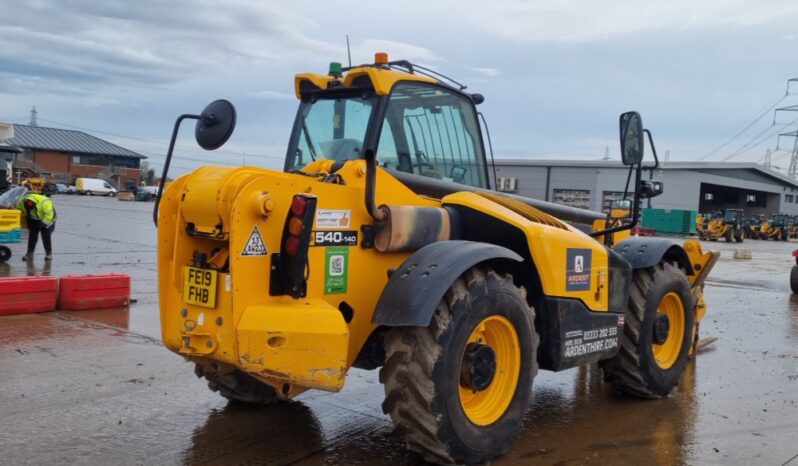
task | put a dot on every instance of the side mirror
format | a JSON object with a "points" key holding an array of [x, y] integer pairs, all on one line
{"points": [[631, 126], [215, 124], [214, 127]]}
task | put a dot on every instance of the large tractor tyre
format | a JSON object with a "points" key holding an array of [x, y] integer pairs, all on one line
{"points": [[457, 390], [739, 237], [729, 235], [5, 254], [794, 279], [657, 336], [238, 386]]}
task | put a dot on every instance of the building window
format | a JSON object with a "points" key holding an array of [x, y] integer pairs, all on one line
{"points": [[755, 200], [708, 196], [788, 198], [573, 197], [94, 160], [506, 184], [127, 162], [25, 156]]}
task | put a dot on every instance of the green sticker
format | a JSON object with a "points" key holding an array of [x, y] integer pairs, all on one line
{"points": [[336, 273]]}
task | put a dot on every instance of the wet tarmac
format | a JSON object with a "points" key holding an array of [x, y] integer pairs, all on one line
{"points": [[97, 387]]}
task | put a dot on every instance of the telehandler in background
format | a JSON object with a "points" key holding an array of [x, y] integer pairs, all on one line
{"points": [[752, 225], [381, 244], [704, 223], [793, 228], [699, 224], [775, 227], [728, 225]]}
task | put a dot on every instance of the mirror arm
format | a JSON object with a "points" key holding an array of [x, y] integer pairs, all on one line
{"points": [[166, 162], [635, 207], [653, 150]]}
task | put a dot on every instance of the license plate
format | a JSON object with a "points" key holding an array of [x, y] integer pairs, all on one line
{"points": [[199, 287]]}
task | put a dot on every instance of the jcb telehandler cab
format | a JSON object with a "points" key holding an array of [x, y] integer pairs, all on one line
{"points": [[382, 245]]}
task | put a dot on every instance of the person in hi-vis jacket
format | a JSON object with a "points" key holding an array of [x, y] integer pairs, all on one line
{"points": [[39, 213]]}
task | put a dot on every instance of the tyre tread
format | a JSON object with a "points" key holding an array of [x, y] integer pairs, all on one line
{"points": [[408, 372], [623, 371]]}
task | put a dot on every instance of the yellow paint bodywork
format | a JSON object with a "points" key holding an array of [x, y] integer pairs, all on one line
{"points": [[293, 344], [547, 245], [383, 79], [317, 346]]}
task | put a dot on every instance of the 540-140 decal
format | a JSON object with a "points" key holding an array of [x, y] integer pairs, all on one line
{"points": [[335, 238]]}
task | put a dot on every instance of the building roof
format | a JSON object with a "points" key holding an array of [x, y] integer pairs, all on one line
{"points": [[694, 166], [65, 140]]}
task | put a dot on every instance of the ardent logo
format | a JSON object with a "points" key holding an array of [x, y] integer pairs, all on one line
{"points": [[577, 277]]}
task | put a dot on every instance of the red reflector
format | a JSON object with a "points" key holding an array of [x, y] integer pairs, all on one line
{"points": [[795, 253], [292, 245], [298, 205]]}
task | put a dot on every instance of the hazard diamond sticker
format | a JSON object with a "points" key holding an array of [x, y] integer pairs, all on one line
{"points": [[255, 245]]}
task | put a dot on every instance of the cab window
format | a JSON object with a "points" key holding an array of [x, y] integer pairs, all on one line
{"points": [[331, 127], [432, 131]]}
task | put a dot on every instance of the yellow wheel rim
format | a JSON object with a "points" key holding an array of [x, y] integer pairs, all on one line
{"points": [[668, 352], [487, 406]]}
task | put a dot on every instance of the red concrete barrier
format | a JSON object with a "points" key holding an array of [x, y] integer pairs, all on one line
{"points": [[21, 295], [78, 292]]}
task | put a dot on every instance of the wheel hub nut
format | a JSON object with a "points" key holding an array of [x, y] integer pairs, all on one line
{"points": [[478, 367], [662, 326]]}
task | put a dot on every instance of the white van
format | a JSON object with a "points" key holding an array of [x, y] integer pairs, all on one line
{"points": [[93, 186]]}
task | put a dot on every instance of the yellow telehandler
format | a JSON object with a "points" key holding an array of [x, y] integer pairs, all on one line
{"points": [[381, 244], [775, 227], [727, 225]]}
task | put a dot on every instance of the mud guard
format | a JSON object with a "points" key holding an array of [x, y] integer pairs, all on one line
{"points": [[645, 252], [417, 286]]}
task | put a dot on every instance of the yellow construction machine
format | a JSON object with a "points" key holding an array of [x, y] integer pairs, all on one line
{"points": [[793, 228], [752, 225], [699, 224], [381, 244], [775, 228], [727, 225], [704, 223]]}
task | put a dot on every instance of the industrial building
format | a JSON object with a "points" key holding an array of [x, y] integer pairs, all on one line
{"points": [[699, 186], [65, 155]]}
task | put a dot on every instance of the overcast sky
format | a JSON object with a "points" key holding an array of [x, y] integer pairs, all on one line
{"points": [[555, 74]]}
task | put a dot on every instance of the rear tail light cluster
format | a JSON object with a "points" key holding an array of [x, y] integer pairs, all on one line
{"points": [[288, 268]]}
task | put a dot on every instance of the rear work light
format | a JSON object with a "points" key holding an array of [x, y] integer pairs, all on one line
{"points": [[288, 267]]}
